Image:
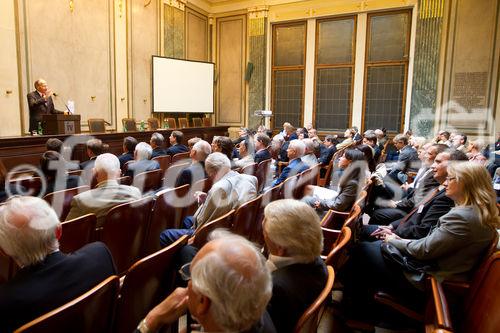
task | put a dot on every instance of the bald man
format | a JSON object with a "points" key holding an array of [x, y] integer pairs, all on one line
{"points": [[40, 103]]}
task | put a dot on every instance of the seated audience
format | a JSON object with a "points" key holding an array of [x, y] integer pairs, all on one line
{"points": [[370, 139], [328, 149], [196, 171], [322, 199], [176, 138], [262, 142], [228, 290], [406, 160], [55, 144], [313, 134], [107, 194], [301, 133], [129, 144], [142, 160], [243, 134], [95, 148], [450, 251], [381, 138], [295, 151], [224, 145], [290, 132], [349, 139], [245, 151], [294, 240], [192, 141], [48, 278], [53, 168], [157, 142], [309, 158], [443, 137], [229, 190], [474, 150]]}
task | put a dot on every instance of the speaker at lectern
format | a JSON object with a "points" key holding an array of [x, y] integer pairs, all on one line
{"points": [[54, 124]]}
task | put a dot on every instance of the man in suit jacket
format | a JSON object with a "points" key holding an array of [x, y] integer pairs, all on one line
{"points": [[129, 144], [176, 138], [196, 171], [40, 103], [294, 260], [157, 141], [143, 162], [295, 151], [328, 149], [95, 147], [107, 194], [229, 190], [262, 141], [48, 278], [408, 159]]}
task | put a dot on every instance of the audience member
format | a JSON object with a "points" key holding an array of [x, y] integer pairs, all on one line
{"points": [[474, 150], [53, 168], [95, 147], [229, 190], [302, 133], [295, 151], [309, 158], [108, 192], [176, 138], [157, 142], [328, 149], [293, 237], [54, 144], [443, 137], [224, 145], [262, 142], [192, 141], [246, 150], [459, 142], [142, 160], [349, 139], [406, 160], [129, 144], [370, 139], [196, 171], [48, 278], [228, 290]]}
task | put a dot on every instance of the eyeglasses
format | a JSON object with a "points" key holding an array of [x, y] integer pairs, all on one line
{"points": [[449, 179], [185, 272]]}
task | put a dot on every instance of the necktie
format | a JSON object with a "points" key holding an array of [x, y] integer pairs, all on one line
{"points": [[429, 197]]}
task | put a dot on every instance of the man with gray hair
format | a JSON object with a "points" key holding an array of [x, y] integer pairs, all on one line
{"points": [[143, 162], [108, 192], [48, 278], [294, 239], [157, 142], [236, 305], [196, 171], [229, 190], [295, 151], [309, 158], [407, 160]]}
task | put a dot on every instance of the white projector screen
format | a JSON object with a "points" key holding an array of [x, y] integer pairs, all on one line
{"points": [[182, 86]]}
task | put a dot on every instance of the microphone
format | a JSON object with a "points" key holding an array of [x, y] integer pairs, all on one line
{"points": [[67, 108], [55, 95]]}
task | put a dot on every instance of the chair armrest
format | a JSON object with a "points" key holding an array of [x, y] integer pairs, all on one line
{"points": [[386, 299], [456, 287], [442, 317]]}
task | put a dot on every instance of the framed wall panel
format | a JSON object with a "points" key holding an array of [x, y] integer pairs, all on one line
{"points": [[196, 36]]}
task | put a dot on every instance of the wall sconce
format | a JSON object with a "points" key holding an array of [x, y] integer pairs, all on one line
{"points": [[92, 98], [71, 6], [120, 8], [122, 99]]}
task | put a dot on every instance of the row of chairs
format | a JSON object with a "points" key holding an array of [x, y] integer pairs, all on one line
{"points": [[98, 125]]}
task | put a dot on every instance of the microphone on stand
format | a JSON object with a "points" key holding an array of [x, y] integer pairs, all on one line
{"points": [[67, 108]]}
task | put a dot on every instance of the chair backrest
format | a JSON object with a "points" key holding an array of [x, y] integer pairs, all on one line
{"points": [[129, 124], [334, 219], [125, 166], [146, 283], [32, 184], [306, 177], [262, 173], [245, 218], [207, 122], [353, 218], [124, 231], [183, 122], [361, 201], [153, 124], [91, 312], [482, 304], [249, 169], [125, 180], [201, 234], [173, 172], [180, 156], [164, 161], [171, 123], [77, 233], [96, 125], [167, 214], [288, 188], [322, 181], [148, 181], [337, 254], [61, 200], [197, 122], [309, 321]]}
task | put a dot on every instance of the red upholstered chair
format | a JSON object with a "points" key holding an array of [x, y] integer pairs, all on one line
{"points": [[183, 122], [148, 181], [334, 219], [250, 169], [146, 284], [171, 123], [180, 157], [289, 186], [245, 218], [129, 124], [91, 312], [61, 200], [323, 181], [96, 125], [125, 180], [153, 124], [173, 172], [32, 184], [200, 237], [167, 213], [335, 246], [124, 231], [309, 321], [207, 122], [77, 233], [164, 162], [197, 122], [353, 218]]}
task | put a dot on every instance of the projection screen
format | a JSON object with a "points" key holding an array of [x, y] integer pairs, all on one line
{"points": [[182, 85]]}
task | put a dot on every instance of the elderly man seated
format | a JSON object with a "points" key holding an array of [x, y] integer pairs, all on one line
{"points": [[228, 289], [295, 151], [108, 192], [229, 190], [196, 171], [143, 162], [29, 233], [294, 239]]}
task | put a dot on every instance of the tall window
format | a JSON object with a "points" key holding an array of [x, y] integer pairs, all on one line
{"points": [[335, 48], [386, 70], [288, 63]]}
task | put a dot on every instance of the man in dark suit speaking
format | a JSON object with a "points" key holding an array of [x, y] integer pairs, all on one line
{"points": [[40, 102]]}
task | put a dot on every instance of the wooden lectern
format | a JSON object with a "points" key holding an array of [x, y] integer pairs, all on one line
{"points": [[54, 124]]}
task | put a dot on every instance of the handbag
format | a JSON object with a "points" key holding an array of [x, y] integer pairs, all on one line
{"points": [[393, 256]]}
